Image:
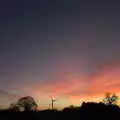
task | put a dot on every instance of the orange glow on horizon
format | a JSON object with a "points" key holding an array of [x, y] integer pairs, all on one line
{"points": [[75, 90], [91, 88]]}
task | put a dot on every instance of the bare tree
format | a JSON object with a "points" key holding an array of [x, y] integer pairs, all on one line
{"points": [[110, 99]]}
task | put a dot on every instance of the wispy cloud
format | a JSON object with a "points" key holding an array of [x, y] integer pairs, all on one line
{"points": [[105, 79], [9, 94]]}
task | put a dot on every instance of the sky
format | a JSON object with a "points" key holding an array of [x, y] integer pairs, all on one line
{"points": [[69, 49]]}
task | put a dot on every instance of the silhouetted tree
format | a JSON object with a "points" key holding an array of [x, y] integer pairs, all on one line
{"points": [[110, 99], [27, 103]]}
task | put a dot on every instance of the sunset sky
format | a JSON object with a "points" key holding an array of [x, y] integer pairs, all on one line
{"points": [[69, 49]]}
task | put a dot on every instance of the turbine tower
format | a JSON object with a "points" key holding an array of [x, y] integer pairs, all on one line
{"points": [[53, 100]]}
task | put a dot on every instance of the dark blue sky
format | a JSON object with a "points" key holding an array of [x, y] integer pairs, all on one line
{"points": [[43, 41]]}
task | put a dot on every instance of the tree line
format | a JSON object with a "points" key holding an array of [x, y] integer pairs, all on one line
{"points": [[28, 103]]}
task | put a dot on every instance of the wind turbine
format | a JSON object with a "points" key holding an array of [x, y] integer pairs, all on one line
{"points": [[52, 102]]}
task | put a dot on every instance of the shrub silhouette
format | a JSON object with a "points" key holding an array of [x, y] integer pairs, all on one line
{"points": [[13, 107]]}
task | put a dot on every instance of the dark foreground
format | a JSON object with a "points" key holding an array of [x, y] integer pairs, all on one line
{"points": [[88, 111]]}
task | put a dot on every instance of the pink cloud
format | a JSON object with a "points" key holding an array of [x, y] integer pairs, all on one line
{"points": [[105, 79]]}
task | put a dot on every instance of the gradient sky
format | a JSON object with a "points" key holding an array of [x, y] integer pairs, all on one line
{"points": [[65, 48]]}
